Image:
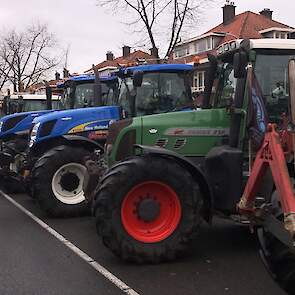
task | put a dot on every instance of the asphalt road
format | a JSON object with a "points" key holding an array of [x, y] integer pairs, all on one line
{"points": [[223, 260]]}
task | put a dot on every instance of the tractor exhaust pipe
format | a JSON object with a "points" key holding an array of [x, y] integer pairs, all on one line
{"points": [[48, 90], [97, 88], [209, 79]]}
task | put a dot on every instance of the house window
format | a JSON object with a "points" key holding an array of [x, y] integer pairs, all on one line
{"points": [[209, 43], [203, 45], [199, 82], [181, 52], [268, 35]]}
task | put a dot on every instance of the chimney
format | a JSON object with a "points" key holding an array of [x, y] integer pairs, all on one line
{"points": [[154, 52], [110, 56], [229, 12], [267, 13], [57, 76], [126, 50], [66, 73]]}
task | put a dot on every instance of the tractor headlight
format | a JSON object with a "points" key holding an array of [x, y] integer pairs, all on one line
{"points": [[33, 134]]}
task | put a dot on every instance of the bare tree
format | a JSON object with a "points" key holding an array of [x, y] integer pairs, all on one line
{"points": [[165, 18], [26, 57], [5, 70]]}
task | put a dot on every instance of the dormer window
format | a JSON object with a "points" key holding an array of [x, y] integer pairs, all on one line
{"points": [[276, 33]]}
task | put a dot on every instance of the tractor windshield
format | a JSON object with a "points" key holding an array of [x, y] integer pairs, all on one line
{"points": [[81, 95], [271, 70], [158, 93], [29, 105], [39, 105]]}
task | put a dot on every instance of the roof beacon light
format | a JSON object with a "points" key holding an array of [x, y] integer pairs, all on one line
{"points": [[229, 46], [233, 45]]}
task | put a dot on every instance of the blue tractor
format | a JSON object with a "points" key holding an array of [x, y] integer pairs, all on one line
{"points": [[15, 128], [20, 112], [60, 141]]}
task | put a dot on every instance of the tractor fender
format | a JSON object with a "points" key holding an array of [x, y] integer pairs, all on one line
{"points": [[195, 171], [89, 143]]}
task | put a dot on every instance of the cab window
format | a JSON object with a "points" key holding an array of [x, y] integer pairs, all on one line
{"points": [[226, 88]]}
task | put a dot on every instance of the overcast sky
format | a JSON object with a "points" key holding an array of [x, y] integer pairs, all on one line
{"points": [[90, 31]]}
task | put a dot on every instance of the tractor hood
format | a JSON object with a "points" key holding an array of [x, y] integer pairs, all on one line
{"points": [[73, 122], [19, 123]]}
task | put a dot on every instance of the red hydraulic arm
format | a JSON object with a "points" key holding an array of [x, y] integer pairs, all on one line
{"points": [[271, 156]]}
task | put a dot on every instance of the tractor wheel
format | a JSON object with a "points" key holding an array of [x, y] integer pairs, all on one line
{"points": [[58, 181], [147, 209], [279, 259], [15, 147]]}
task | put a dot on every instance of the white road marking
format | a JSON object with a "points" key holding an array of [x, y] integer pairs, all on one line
{"points": [[99, 268]]}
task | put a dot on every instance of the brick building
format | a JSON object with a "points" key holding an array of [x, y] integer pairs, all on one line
{"points": [[111, 63], [245, 25]]}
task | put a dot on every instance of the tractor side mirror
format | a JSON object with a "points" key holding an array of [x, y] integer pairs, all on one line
{"points": [[137, 78], [97, 89], [210, 75], [240, 63]]}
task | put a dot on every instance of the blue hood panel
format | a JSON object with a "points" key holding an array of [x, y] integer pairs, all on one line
{"points": [[22, 126], [78, 120]]}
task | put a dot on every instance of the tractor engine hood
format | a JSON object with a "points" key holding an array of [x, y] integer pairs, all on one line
{"points": [[84, 122], [18, 123]]}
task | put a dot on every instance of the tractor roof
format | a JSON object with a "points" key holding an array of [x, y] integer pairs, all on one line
{"points": [[272, 43], [85, 77], [155, 68]]}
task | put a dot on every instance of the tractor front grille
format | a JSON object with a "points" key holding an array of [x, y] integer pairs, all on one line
{"points": [[179, 143], [161, 142]]}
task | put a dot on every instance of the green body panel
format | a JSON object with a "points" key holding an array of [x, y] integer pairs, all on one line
{"points": [[198, 132]]}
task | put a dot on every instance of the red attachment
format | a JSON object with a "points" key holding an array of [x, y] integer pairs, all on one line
{"points": [[161, 226], [271, 155]]}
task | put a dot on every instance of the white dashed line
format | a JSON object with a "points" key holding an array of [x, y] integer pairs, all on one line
{"points": [[99, 268]]}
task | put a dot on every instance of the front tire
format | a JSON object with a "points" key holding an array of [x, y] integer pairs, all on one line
{"points": [[147, 209], [58, 181], [279, 259]]}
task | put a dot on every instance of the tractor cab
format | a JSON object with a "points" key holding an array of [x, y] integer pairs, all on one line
{"points": [[153, 89], [268, 59], [79, 91]]}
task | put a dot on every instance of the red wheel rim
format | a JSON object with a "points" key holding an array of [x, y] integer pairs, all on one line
{"points": [[166, 221]]}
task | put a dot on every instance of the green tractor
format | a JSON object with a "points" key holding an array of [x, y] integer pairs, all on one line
{"points": [[168, 172]]}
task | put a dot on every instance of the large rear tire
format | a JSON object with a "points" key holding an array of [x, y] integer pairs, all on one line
{"points": [[279, 259], [147, 209], [58, 182]]}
